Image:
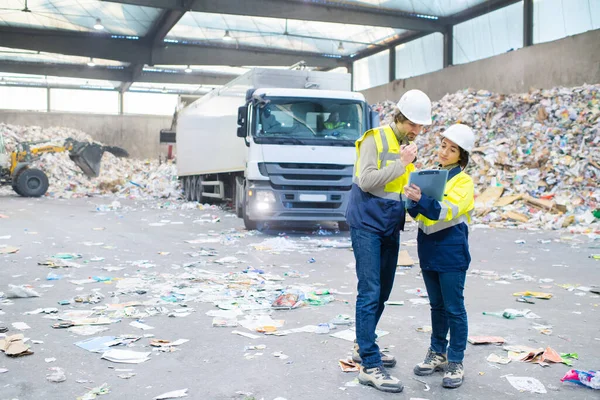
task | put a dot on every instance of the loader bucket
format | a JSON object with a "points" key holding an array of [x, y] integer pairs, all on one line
{"points": [[87, 156]]}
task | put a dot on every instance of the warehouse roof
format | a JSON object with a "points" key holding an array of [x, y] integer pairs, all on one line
{"points": [[206, 42]]}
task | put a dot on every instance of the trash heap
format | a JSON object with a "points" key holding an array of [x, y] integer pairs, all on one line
{"points": [[537, 158], [123, 177]]}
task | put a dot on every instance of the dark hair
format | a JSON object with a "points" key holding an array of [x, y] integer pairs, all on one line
{"points": [[399, 117], [463, 157]]}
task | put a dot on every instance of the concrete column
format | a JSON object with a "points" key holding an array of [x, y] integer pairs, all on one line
{"points": [[527, 23], [392, 64], [350, 67], [120, 103], [448, 46], [48, 100]]}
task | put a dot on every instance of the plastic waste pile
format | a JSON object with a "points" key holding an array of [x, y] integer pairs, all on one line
{"points": [[123, 177], [540, 149]]}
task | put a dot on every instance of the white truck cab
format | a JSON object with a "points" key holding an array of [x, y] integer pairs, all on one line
{"points": [[293, 156]]}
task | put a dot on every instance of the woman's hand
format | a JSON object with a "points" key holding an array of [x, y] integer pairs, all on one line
{"points": [[413, 192]]}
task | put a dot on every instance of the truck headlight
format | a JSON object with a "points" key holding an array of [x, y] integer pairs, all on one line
{"points": [[265, 196]]}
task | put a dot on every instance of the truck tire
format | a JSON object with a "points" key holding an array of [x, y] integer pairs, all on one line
{"points": [[248, 223], [186, 188], [199, 189], [238, 198], [32, 182], [343, 226]]}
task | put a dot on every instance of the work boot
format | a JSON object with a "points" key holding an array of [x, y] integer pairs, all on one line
{"points": [[454, 375], [388, 360], [380, 379], [433, 362]]}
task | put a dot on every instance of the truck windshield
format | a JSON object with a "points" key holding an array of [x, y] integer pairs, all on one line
{"points": [[309, 121]]}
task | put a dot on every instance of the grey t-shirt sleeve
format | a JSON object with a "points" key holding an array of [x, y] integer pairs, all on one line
{"points": [[371, 178]]}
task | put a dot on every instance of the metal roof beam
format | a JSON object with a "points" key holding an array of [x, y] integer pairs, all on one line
{"points": [[321, 11], [187, 79], [479, 10], [67, 70], [140, 52], [76, 44], [231, 56]]}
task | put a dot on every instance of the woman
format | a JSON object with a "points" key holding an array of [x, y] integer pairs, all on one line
{"points": [[443, 249]]}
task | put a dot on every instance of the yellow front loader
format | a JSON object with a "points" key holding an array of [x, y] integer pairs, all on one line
{"points": [[16, 170]]}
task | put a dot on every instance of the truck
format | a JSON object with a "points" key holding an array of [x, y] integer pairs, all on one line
{"points": [[278, 143]]}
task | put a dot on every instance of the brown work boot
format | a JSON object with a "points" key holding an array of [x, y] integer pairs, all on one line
{"points": [[433, 362], [454, 375], [380, 379], [388, 360]]}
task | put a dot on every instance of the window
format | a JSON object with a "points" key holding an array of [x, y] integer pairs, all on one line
{"points": [[84, 101], [420, 56], [489, 35], [555, 19], [372, 71], [23, 98], [149, 103]]}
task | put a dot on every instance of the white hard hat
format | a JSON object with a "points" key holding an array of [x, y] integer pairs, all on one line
{"points": [[416, 106], [462, 135]]}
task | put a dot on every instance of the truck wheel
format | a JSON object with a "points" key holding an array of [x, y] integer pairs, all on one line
{"points": [[248, 223], [186, 188], [343, 226], [32, 182], [238, 198], [193, 188], [199, 189]]}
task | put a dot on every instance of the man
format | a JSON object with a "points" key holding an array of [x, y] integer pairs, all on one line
{"points": [[268, 120], [376, 214], [333, 122]]}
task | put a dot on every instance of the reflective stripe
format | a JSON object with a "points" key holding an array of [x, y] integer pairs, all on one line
{"points": [[443, 211], [386, 195], [428, 230], [453, 207], [438, 226], [385, 148]]}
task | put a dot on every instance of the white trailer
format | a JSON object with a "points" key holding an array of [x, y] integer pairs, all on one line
{"points": [[293, 154]]}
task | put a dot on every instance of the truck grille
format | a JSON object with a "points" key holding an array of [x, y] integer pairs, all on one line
{"points": [[292, 180]]}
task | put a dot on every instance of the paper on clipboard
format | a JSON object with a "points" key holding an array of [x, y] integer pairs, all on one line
{"points": [[432, 182]]}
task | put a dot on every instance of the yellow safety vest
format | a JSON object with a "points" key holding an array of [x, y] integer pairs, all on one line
{"points": [[457, 206], [334, 125], [388, 151]]}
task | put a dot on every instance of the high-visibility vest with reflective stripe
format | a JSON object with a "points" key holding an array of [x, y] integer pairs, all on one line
{"points": [[334, 125], [457, 205], [443, 245], [388, 151], [379, 211]]}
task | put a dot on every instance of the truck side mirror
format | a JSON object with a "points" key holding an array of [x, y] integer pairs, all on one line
{"points": [[374, 116], [241, 121], [242, 115]]}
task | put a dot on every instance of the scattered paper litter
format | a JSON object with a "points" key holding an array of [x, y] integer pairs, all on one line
{"points": [[494, 358], [21, 326], [526, 384], [350, 334], [245, 334], [172, 395], [57, 375], [137, 324], [126, 356]]}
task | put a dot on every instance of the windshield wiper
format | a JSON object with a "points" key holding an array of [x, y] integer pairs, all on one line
{"points": [[283, 140]]}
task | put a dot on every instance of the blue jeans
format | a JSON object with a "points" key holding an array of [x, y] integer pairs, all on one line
{"points": [[376, 259], [448, 312]]}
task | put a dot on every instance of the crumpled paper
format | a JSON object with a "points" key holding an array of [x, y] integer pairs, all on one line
{"points": [[542, 147]]}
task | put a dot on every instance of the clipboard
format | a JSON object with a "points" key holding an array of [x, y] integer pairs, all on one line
{"points": [[431, 181]]}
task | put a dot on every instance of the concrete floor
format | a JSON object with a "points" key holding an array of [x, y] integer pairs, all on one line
{"points": [[212, 364]]}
